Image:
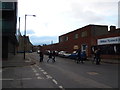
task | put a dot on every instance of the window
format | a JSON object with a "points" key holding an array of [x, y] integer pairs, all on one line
{"points": [[61, 39], [66, 38], [7, 5], [84, 34], [76, 36], [108, 49]]}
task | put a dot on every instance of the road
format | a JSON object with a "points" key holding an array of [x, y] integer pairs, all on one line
{"points": [[64, 73]]}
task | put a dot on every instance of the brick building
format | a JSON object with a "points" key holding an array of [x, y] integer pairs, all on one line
{"points": [[86, 39]]}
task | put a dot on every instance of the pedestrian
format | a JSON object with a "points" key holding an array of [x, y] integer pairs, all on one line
{"points": [[41, 56], [79, 56], [94, 56], [50, 56], [97, 56], [83, 56], [53, 54]]}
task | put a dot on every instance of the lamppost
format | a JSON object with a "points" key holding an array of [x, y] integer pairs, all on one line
{"points": [[25, 33]]}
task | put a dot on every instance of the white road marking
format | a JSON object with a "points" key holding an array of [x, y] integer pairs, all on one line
{"points": [[7, 79], [60, 86], [44, 72], [39, 78], [36, 65], [37, 74], [48, 76], [54, 81], [34, 71], [16, 79], [39, 68]]}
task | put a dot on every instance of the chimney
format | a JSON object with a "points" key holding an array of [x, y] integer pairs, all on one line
{"points": [[112, 28]]}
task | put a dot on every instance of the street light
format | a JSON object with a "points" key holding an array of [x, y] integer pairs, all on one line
{"points": [[25, 32]]}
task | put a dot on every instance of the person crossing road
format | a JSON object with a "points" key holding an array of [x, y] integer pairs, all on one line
{"points": [[51, 56]]}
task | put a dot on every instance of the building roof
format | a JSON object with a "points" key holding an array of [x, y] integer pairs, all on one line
{"points": [[82, 27]]}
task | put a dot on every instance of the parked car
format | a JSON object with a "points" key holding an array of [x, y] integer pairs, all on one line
{"points": [[47, 52], [63, 54], [30, 51], [73, 55], [56, 53]]}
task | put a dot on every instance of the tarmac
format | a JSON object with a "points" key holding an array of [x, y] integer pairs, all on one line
{"points": [[19, 61]]}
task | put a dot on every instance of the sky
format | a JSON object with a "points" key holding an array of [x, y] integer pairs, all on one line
{"points": [[57, 17]]}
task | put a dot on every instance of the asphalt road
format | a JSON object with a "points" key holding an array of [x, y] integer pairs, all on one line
{"points": [[64, 73]]}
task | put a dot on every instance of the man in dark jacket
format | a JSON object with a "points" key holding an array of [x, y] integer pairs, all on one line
{"points": [[53, 54], [78, 56], [50, 56], [41, 56], [97, 56]]}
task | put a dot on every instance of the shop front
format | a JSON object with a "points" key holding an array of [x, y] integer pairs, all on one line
{"points": [[110, 47]]}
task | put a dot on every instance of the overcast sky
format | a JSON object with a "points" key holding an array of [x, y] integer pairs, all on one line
{"points": [[57, 17]]}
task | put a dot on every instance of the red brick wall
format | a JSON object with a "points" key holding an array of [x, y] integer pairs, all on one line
{"points": [[89, 41]]}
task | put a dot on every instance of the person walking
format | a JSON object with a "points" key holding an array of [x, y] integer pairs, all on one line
{"points": [[79, 56], [50, 56], [41, 56], [53, 54], [97, 56], [94, 56], [83, 56]]}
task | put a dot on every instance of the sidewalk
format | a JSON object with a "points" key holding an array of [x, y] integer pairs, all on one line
{"points": [[17, 61], [110, 61]]}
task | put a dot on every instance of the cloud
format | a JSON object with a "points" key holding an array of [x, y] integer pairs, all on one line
{"points": [[57, 17], [43, 40]]}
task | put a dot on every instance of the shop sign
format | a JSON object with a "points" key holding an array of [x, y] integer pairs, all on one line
{"points": [[113, 40]]}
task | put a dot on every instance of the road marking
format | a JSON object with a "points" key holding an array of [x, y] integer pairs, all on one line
{"points": [[6, 79], [48, 76], [37, 74], [39, 68], [44, 72], [36, 65], [54, 81], [92, 73], [33, 68], [39, 78], [61, 87], [34, 71]]}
